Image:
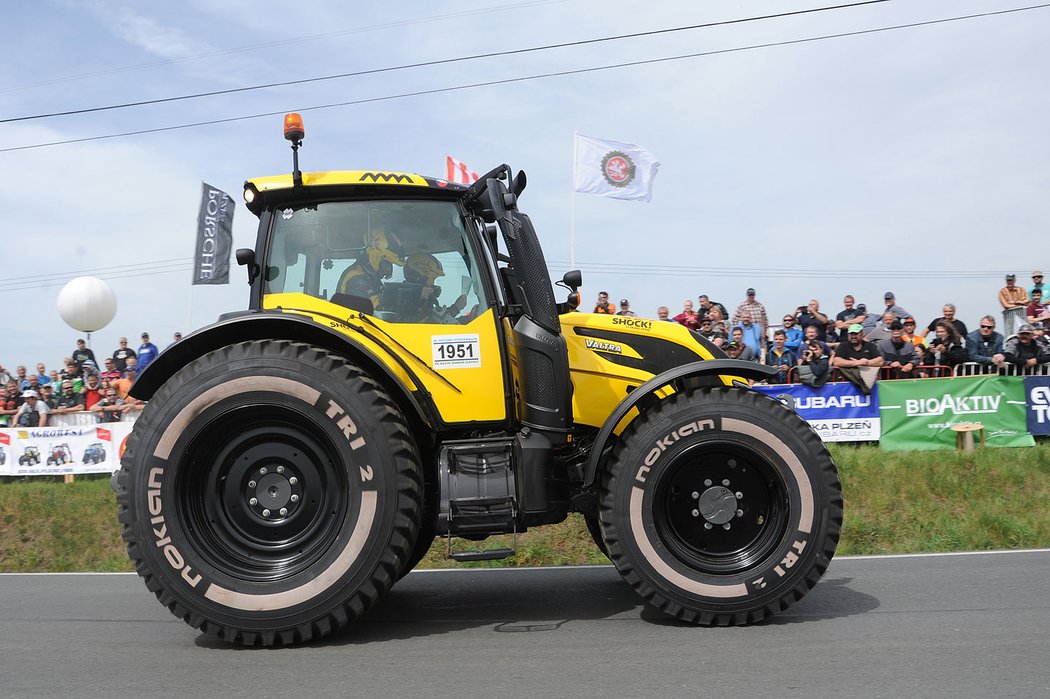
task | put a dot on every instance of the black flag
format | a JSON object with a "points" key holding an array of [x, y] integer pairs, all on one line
{"points": [[211, 258]]}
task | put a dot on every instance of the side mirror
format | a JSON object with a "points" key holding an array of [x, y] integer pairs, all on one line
{"points": [[246, 258], [573, 279]]}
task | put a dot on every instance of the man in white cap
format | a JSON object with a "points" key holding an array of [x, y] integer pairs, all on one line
{"points": [[1037, 283], [33, 412]]}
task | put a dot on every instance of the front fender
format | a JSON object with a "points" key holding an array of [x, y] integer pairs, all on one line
{"points": [[710, 367], [247, 326]]}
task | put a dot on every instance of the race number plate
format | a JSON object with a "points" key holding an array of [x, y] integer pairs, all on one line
{"points": [[456, 351]]}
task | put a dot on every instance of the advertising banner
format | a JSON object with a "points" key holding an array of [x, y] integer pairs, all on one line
{"points": [[211, 255], [55, 451], [1037, 390], [919, 414], [837, 411]]}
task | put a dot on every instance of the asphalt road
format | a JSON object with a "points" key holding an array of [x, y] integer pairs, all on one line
{"points": [[965, 625]]}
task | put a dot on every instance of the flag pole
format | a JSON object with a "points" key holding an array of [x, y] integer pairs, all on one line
{"points": [[572, 214]]}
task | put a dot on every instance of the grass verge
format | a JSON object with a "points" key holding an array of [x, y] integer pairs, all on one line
{"points": [[898, 502]]}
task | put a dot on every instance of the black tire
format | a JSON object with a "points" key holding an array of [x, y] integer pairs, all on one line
{"points": [[229, 441], [702, 460], [594, 527]]}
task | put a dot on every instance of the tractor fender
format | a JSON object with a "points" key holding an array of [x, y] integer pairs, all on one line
{"points": [[248, 326], [710, 367]]}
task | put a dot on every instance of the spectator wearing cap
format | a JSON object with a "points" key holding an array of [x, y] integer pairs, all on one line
{"points": [[124, 385], [82, 354], [1037, 283], [892, 307], [1023, 351], [148, 351], [738, 350], [48, 397], [908, 325], [1038, 312], [716, 336], [898, 353], [121, 354], [858, 360], [1014, 301], [625, 309], [602, 306], [175, 338], [793, 333], [755, 311], [32, 413], [984, 345], [948, 317]]}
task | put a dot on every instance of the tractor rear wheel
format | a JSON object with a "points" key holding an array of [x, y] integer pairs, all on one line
{"points": [[721, 506], [270, 493]]}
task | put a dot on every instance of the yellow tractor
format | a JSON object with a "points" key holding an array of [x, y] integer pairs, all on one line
{"points": [[405, 372]]}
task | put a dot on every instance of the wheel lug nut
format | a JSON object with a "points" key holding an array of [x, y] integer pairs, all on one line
{"points": [[253, 501], [293, 480], [696, 495], [280, 469], [696, 513], [707, 481], [739, 513], [725, 481], [739, 495], [284, 511], [726, 525], [731, 463], [262, 471], [707, 525], [251, 484], [294, 498], [266, 513]]}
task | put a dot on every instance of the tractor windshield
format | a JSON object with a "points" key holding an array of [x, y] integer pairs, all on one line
{"points": [[402, 261]]}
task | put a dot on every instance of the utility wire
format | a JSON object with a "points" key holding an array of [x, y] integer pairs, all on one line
{"points": [[283, 42], [506, 81], [426, 64]]}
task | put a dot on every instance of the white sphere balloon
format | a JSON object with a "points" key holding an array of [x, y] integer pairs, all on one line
{"points": [[87, 304]]}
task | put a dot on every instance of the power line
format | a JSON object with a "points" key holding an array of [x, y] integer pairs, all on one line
{"points": [[281, 42], [527, 78], [427, 64]]}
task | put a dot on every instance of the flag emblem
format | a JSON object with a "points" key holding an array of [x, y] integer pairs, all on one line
{"points": [[618, 168]]}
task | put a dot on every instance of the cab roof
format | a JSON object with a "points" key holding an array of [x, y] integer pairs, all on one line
{"points": [[261, 190]]}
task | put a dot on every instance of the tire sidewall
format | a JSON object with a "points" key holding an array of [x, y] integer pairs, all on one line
{"points": [[325, 393], [649, 455]]}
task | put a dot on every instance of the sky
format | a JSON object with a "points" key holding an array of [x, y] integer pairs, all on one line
{"points": [[914, 160]]}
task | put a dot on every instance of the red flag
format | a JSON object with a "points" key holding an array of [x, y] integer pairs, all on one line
{"points": [[458, 171], [103, 434]]}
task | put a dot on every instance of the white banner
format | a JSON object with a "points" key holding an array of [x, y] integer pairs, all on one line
{"points": [[56, 451], [613, 169]]}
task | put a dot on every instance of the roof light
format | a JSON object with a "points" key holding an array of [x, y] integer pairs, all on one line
{"points": [[293, 127]]}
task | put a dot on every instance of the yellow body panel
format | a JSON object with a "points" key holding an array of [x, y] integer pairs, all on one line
{"points": [[471, 391], [339, 177], [610, 355]]}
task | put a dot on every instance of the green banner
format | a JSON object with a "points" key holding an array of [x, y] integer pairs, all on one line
{"points": [[919, 413]]}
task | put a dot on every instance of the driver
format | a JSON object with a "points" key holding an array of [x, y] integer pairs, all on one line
{"points": [[365, 277], [424, 269]]}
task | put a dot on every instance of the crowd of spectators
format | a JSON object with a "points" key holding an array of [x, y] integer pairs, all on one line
{"points": [[30, 399], [860, 345]]}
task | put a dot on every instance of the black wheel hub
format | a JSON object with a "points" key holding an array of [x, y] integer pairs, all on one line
{"points": [[274, 492], [720, 507]]}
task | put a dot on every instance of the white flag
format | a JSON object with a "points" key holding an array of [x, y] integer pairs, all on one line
{"points": [[614, 169], [458, 171]]}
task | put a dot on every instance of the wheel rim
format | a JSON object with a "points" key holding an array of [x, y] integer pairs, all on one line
{"points": [[263, 491], [722, 507]]}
